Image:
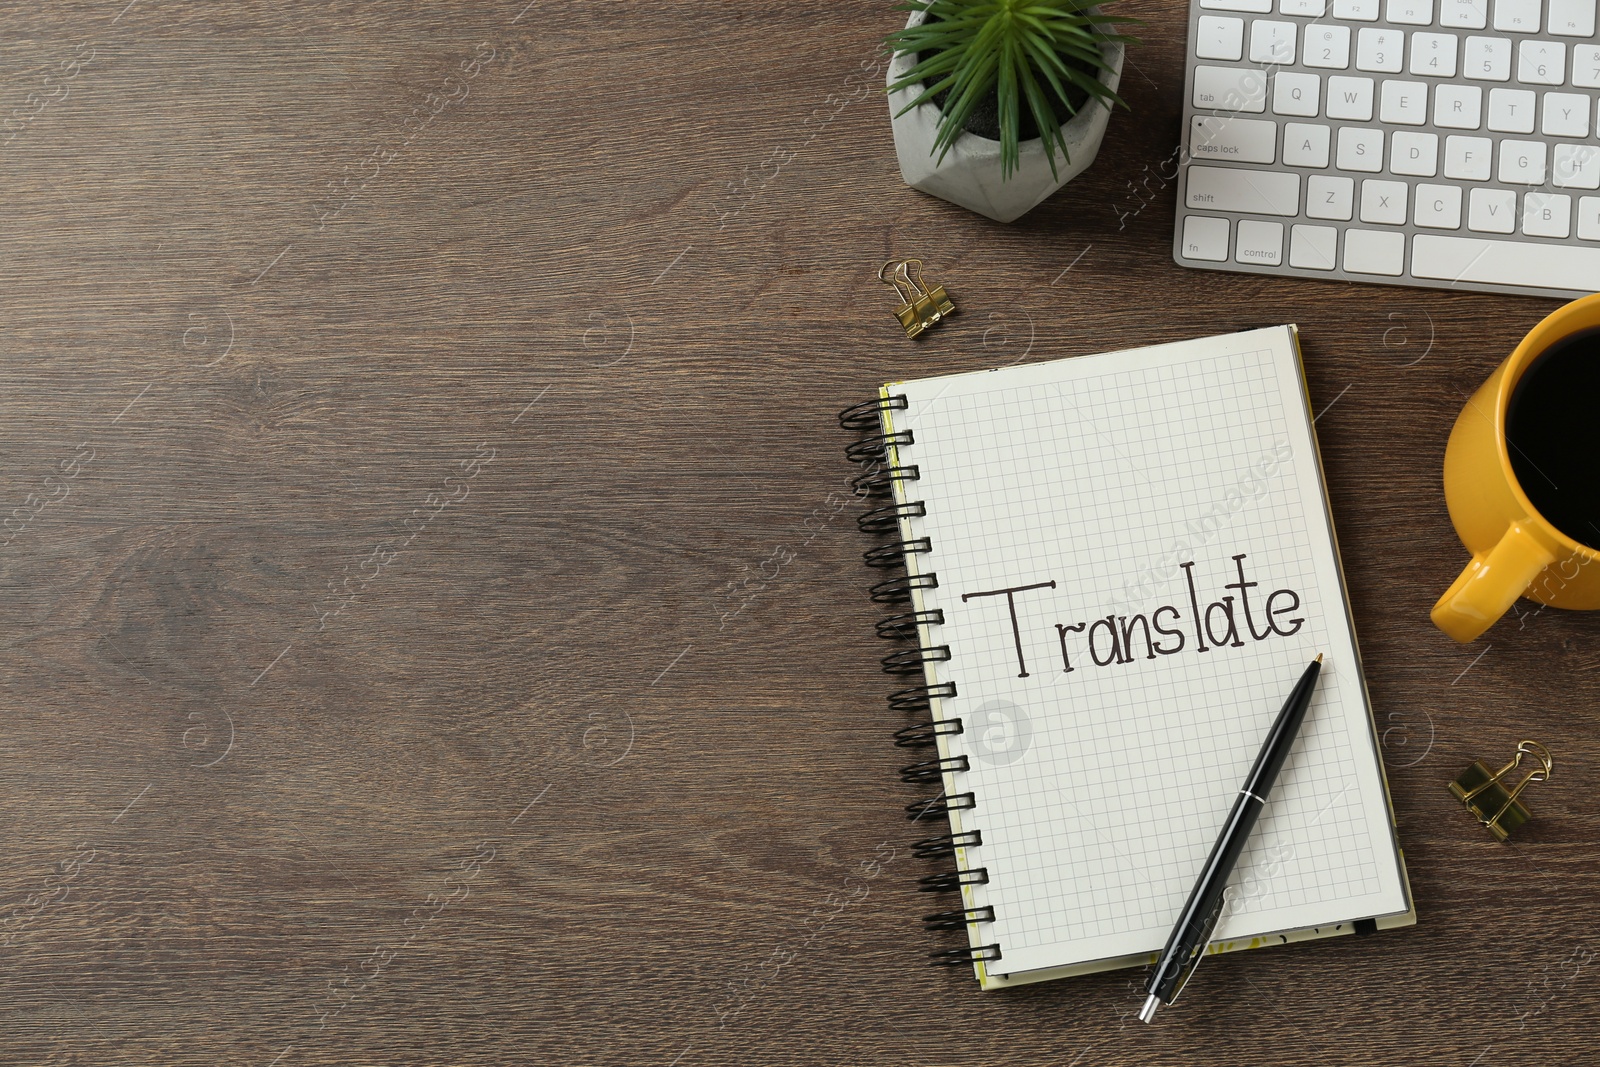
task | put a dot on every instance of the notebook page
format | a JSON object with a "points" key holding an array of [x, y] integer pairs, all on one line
{"points": [[1159, 520]]}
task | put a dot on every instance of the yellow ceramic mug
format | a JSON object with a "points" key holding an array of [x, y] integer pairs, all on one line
{"points": [[1515, 550]]}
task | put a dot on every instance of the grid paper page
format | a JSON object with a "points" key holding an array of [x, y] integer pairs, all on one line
{"points": [[1173, 498]]}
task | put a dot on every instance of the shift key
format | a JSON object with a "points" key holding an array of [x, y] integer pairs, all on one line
{"points": [[1252, 192], [1234, 140]]}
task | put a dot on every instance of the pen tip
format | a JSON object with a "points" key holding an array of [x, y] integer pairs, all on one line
{"points": [[1148, 1012], [1319, 657]]}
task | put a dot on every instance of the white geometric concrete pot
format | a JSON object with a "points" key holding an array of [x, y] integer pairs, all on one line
{"points": [[969, 175]]}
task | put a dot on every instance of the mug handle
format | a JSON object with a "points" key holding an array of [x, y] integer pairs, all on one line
{"points": [[1491, 584]]}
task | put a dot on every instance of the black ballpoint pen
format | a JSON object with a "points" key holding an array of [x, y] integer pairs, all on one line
{"points": [[1204, 907]]}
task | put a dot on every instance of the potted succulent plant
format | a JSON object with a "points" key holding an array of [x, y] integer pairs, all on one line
{"points": [[987, 94]]}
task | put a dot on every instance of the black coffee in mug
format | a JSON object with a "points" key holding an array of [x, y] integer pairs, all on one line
{"points": [[1553, 434]]}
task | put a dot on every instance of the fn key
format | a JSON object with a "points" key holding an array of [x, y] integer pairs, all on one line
{"points": [[1205, 238]]}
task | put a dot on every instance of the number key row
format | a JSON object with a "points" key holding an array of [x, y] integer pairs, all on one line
{"points": [[1434, 55], [1384, 51]]}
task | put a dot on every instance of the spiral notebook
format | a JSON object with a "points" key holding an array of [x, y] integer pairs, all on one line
{"points": [[1115, 567]]}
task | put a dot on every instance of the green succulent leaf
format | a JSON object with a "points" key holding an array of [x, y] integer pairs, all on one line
{"points": [[1027, 52]]}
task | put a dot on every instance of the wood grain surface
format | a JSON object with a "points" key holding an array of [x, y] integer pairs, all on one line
{"points": [[430, 633]]}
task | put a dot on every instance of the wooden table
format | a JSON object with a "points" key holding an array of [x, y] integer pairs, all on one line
{"points": [[431, 631]]}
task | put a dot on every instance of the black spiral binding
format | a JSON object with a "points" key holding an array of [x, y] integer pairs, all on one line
{"points": [[933, 770], [911, 660], [904, 626], [887, 519], [895, 553], [898, 590], [923, 734], [877, 446], [879, 451], [921, 697], [943, 804], [869, 415], [961, 957], [880, 482], [945, 881], [957, 920], [932, 848]]}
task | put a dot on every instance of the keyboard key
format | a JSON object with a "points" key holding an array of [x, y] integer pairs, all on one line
{"points": [[1356, 10], [1329, 196], [1259, 242], [1311, 9], [1511, 110], [1565, 115], [1360, 150], [1433, 55], [1573, 166], [1272, 41], [1250, 192], [1383, 201], [1380, 50], [1410, 12], [1458, 107], [1374, 252], [1522, 162], [1541, 62], [1230, 89], [1488, 59], [1571, 18], [1217, 37], [1306, 145], [1492, 210], [1205, 238], [1464, 14], [1547, 215], [1468, 158], [1525, 263], [1296, 94], [1233, 139], [1516, 16], [1259, 7], [1405, 103], [1327, 46], [1586, 66], [1312, 247], [1350, 98], [1589, 218], [1416, 154], [1438, 206]]}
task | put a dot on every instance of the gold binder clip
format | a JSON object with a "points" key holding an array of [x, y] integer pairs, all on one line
{"points": [[920, 306], [1485, 794]]}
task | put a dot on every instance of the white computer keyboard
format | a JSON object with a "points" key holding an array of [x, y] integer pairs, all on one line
{"points": [[1447, 143]]}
